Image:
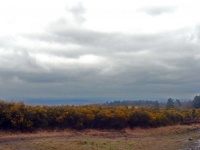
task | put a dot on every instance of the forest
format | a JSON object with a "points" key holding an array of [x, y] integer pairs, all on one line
{"points": [[17, 116]]}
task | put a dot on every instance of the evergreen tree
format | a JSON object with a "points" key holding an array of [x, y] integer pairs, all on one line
{"points": [[170, 103], [196, 102]]}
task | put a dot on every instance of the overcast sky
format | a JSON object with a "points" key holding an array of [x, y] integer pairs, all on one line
{"points": [[122, 49]]}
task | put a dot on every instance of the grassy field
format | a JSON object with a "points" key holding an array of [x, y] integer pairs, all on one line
{"points": [[165, 138]]}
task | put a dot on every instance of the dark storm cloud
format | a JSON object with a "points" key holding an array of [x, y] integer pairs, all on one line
{"points": [[157, 10]]}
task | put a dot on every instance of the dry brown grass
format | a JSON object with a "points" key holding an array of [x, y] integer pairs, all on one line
{"points": [[165, 138]]}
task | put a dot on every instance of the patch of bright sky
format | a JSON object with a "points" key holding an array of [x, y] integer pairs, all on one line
{"points": [[29, 15], [106, 15], [123, 16], [45, 46], [56, 60]]}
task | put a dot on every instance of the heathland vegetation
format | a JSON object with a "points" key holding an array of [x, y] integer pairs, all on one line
{"points": [[21, 117]]}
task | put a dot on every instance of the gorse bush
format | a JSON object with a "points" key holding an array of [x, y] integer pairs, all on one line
{"points": [[21, 117]]}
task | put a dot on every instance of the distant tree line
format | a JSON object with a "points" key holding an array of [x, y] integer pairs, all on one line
{"points": [[171, 103], [145, 103], [195, 103]]}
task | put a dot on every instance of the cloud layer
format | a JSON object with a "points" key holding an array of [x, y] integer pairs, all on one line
{"points": [[66, 59]]}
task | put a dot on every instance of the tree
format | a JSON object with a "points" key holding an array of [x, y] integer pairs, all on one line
{"points": [[157, 105], [170, 103], [196, 102], [178, 102]]}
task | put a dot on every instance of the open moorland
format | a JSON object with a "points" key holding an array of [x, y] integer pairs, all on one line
{"points": [[165, 138], [26, 127]]}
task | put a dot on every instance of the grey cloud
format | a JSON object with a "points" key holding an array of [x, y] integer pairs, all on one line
{"points": [[18, 60], [100, 40], [157, 10], [133, 64], [197, 33], [5, 41], [115, 43], [77, 12]]}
